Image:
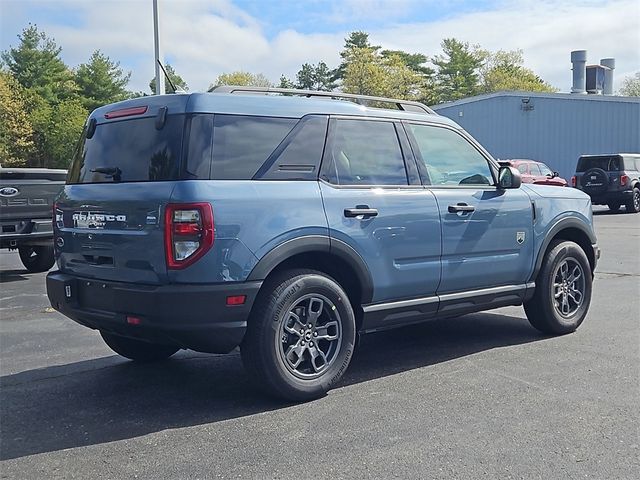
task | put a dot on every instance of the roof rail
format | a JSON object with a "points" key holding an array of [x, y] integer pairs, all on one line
{"points": [[407, 105]]}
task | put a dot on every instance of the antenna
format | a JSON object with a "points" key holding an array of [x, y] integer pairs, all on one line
{"points": [[167, 77]]}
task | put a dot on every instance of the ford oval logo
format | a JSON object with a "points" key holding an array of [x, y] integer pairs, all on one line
{"points": [[9, 191]]}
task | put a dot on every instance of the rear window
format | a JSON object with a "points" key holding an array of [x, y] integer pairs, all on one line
{"points": [[130, 151], [608, 163]]}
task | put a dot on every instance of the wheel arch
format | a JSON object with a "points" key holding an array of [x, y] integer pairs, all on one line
{"points": [[573, 230]]}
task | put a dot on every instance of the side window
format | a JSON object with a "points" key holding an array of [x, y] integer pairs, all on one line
{"points": [[522, 167], [544, 169], [241, 144], [365, 152], [535, 169], [449, 158]]}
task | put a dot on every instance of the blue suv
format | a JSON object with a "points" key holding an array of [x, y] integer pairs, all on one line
{"points": [[291, 222]]}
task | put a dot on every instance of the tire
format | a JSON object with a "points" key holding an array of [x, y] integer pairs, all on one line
{"points": [[138, 350], [614, 207], [595, 181], [634, 204], [282, 349], [543, 312], [37, 258]]}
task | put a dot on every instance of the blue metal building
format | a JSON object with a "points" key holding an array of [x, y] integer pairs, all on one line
{"points": [[553, 128]]}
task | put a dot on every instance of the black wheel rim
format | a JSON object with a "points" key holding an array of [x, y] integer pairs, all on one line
{"points": [[636, 199], [309, 336], [568, 287]]}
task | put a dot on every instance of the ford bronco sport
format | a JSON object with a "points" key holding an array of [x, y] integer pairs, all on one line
{"points": [[289, 225], [611, 180]]}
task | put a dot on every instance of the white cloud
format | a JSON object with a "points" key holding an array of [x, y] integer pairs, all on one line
{"points": [[205, 38]]}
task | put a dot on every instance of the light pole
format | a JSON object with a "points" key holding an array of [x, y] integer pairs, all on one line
{"points": [[158, 54]]}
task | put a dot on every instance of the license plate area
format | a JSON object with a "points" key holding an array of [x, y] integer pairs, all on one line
{"points": [[96, 295]]}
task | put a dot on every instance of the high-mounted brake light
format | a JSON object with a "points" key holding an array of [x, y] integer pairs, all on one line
{"points": [[126, 112], [574, 181], [623, 180], [188, 233]]}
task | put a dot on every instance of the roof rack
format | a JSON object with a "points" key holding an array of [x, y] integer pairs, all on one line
{"points": [[406, 105]]}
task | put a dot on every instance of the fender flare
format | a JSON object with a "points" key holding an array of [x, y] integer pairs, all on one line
{"points": [[560, 225], [311, 244]]}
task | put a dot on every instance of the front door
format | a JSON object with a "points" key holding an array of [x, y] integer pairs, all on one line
{"points": [[486, 232], [380, 209]]}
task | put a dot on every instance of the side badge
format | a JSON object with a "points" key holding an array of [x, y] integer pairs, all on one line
{"points": [[520, 237]]}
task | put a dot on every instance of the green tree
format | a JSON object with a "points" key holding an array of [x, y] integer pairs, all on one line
{"points": [[355, 40], [177, 80], [504, 70], [240, 78], [62, 134], [315, 77], [36, 64], [401, 81], [364, 73], [631, 86], [101, 81], [457, 73], [286, 82], [16, 131]]}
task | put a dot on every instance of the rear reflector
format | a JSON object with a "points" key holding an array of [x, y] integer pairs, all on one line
{"points": [[574, 181], [133, 320], [623, 180], [236, 300], [126, 112]]}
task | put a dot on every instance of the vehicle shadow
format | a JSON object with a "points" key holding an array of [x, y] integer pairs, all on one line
{"points": [[105, 399], [7, 276]]}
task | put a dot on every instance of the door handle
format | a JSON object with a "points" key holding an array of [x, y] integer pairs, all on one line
{"points": [[364, 212], [461, 207]]}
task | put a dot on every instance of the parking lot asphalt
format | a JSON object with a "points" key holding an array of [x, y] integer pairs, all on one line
{"points": [[480, 396]]}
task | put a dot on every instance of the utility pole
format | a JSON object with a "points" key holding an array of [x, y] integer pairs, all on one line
{"points": [[158, 53]]}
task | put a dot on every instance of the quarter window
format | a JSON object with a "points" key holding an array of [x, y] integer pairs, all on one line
{"points": [[449, 158], [365, 152]]}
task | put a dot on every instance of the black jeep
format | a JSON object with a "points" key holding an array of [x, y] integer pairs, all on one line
{"points": [[611, 180]]}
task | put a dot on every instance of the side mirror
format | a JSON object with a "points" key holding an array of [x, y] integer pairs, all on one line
{"points": [[509, 177], [555, 175]]}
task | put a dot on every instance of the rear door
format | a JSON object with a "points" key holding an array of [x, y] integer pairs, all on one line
{"points": [[486, 232], [108, 218], [375, 203]]}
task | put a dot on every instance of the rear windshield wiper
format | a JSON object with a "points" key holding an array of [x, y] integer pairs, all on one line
{"points": [[113, 172]]}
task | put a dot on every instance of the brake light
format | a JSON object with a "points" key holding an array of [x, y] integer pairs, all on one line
{"points": [[126, 112], [574, 181], [623, 180], [188, 233]]}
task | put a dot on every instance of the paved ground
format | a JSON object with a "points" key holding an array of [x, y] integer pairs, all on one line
{"points": [[482, 396]]}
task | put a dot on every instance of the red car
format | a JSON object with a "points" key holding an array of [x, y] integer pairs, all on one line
{"points": [[538, 173]]}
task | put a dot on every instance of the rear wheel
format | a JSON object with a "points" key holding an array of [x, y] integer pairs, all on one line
{"points": [[138, 350], [300, 336], [614, 207], [633, 206], [36, 258], [563, 290]]}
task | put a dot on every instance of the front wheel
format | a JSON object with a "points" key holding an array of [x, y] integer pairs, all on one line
{"points": [[37, 258], [301, 335], [614, 207], [563, 290], [137, 350], [633, 206]]}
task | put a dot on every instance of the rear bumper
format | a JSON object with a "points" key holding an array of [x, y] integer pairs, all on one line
{"points": [[14, 233], [191, 316], [622, 196]]}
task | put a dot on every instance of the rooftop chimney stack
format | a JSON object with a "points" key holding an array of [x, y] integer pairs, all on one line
{"points": [[608, 75], [579, 62]]}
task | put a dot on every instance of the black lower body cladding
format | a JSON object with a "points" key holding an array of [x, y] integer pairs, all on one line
{"points": [[196, 317]]}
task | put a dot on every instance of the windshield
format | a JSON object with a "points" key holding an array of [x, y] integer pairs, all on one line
{"points": [[608, 163], [129, 151]]}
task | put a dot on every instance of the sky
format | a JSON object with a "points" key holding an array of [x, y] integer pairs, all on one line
{"points": [[202, 39]]}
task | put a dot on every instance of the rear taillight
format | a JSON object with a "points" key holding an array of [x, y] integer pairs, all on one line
{"points": [[574, 181], [623, 180], [188, 233]]}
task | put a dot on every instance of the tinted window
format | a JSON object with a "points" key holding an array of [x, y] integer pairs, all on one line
{"points": [[449, 158], [241, 144], [129, 151], [200, 146], [299, 155], [607, 163], [544, 169], [365, 152]]}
